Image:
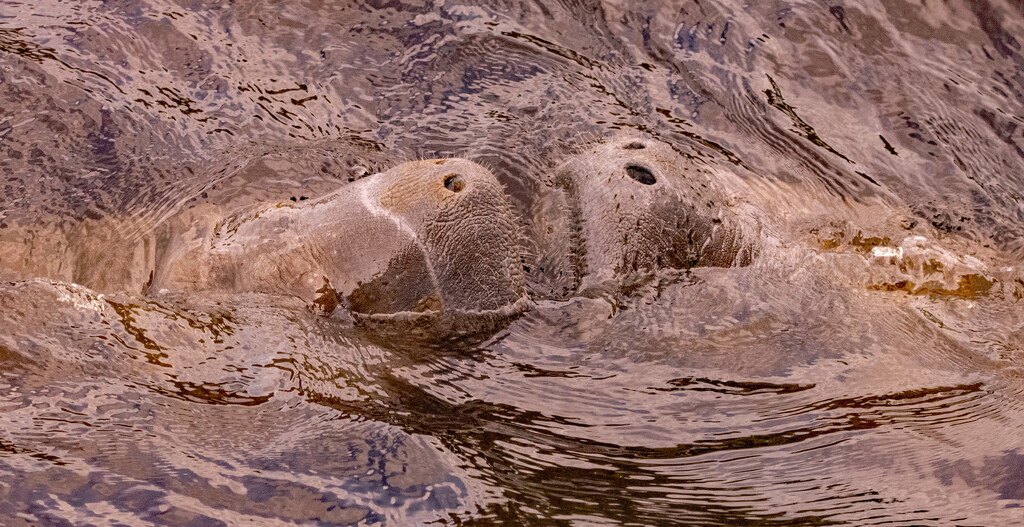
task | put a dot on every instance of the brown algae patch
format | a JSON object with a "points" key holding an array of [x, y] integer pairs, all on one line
{"points": [[969, 286]]}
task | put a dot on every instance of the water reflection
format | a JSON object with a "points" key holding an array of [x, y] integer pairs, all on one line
{"points": [[862, 370]]}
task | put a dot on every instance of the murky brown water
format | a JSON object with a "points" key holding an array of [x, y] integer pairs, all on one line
{"points": [[837, 380]]}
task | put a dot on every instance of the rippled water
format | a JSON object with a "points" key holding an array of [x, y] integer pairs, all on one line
{"points": [[828, 383]]}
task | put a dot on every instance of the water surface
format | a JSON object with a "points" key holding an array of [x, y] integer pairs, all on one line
{"points": [[827, 384]]}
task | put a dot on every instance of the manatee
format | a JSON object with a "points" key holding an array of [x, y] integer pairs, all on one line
{"points": [[633, 206], [422, 239]]}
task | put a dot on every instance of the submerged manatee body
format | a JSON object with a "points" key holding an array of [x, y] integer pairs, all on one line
{"points": [[418, 240], [635, 205]]}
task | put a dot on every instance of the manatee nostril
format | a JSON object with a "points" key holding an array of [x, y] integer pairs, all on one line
{"points": [[641, 174], [454, 182], [635, 145]]}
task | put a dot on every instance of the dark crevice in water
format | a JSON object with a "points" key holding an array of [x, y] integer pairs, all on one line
{"points": [[207, 393], [888, 146], [732, 387], [555, 49], [16, 41], [12, 449], [905, 398], [775, 99], [154, 352], [533, 371], [476, 427], [731, 156]]}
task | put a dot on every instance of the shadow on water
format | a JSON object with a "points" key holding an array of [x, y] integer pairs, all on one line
{"points": [[568, 477], [546, 465]]}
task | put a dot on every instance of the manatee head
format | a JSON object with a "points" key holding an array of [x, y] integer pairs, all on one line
{"points": [[635, 205], [451, 242]]}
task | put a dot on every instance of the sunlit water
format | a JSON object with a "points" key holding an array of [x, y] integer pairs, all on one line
{"points": [[828, 383]]}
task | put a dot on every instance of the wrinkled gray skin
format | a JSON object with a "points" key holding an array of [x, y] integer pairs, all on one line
{"points": [[438, 236], [421, 239], [437, 239], [633, 206]]}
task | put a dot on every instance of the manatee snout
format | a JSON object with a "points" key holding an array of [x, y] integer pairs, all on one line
{"points": [[424, 239], [635, 205], [437, 239], [462, 252]]}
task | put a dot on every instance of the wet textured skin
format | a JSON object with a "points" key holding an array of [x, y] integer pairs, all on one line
{"points": [[625, 209], [634, 206], [438, 236], [421, 239]]}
